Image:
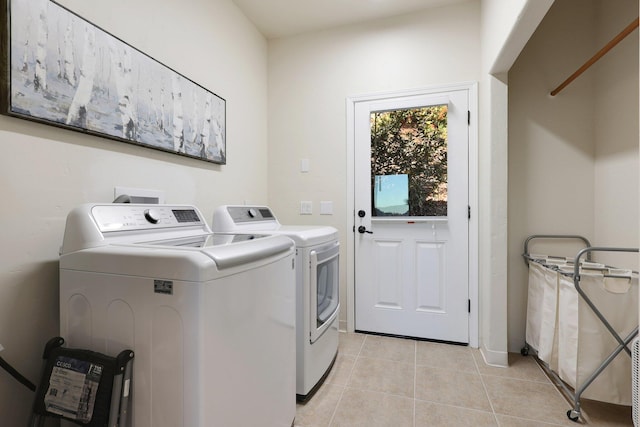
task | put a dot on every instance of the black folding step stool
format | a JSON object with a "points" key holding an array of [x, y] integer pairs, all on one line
{"points": [[83, 386]]}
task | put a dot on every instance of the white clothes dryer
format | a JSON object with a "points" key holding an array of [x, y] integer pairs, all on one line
{"points": [[317, 287], [211, 318]]}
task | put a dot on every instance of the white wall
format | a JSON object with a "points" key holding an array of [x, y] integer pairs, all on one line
{"points": [[506, 27], [46, 171], [310, 77], [616, 133], [573, 157], [499, 17], [551, 144]]}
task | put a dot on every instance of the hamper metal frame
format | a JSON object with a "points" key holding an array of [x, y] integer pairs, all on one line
{"points": [[623, 343]]}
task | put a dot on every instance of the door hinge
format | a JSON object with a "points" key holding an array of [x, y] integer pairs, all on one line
{"points": [[468, 212], [469, 117], [468, 306]]}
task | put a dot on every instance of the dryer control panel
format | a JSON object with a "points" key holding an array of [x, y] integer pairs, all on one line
{"points": [[241, 218], [240, 214]]}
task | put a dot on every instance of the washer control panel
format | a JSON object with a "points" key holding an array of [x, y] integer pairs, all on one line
{"points": [[126, 217]]}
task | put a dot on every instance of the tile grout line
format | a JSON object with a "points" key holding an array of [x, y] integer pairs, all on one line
{"points": [[415, 379], [335, 410], [548, 382], [557, 387], [486, 392]]}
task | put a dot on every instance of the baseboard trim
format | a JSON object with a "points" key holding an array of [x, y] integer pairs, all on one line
{"points": [[498, 359]]}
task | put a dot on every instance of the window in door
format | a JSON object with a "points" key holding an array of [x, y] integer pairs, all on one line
{"points": [[409, 162]]}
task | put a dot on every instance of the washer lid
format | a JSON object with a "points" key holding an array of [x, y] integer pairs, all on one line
{"points": [[205, 240], [228, 250], [175, 260]]}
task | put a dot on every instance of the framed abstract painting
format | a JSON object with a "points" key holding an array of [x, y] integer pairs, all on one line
{"points": [[57, 68]]}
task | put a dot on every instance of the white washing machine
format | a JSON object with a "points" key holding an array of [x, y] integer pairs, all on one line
{"points": [[211, 318], [317, 287]]}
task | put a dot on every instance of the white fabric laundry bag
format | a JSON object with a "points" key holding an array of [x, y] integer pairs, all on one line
{"points": [[535, 296], [583, 340], [548, 344], [542, 309]]}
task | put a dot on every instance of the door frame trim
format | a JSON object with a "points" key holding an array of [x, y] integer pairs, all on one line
{"points": [[351, 102]]}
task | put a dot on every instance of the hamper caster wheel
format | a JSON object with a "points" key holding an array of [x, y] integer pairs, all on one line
{"points": [[573, 415], [524, 351]]}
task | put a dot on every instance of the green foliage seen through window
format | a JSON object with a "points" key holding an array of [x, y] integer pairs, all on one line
{"points": [[413, 142]]}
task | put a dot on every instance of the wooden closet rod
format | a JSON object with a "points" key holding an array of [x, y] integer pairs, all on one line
{"points": [[617, 39]]}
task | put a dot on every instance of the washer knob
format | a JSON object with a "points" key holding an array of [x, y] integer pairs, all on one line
{"points": [[252, 213], [152, 216]]}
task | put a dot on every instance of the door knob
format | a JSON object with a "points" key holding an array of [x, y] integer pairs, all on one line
{"points": [[362, 229]]}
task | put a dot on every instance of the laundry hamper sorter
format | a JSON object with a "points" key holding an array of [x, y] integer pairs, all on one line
{"points": [[584, 339], [581, 316]]}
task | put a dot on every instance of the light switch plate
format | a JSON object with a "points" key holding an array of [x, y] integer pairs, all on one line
{"points": [[306, 208], [326, 208]]}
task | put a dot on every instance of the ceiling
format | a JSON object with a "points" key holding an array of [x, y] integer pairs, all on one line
{"points": [[281, 18]]}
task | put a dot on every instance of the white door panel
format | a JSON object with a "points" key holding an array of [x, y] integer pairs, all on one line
{"points": [[430, 273]]}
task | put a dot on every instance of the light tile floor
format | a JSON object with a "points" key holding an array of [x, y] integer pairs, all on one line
{"points": [[394, 382]]}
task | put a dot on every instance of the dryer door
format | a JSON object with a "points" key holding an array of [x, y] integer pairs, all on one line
{"points": [[324, 288]]}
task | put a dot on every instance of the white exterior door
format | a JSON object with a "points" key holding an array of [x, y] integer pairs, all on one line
{"points": [[411, 216]]}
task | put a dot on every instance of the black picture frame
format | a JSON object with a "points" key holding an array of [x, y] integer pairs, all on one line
{"points": [[59, 69]]}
